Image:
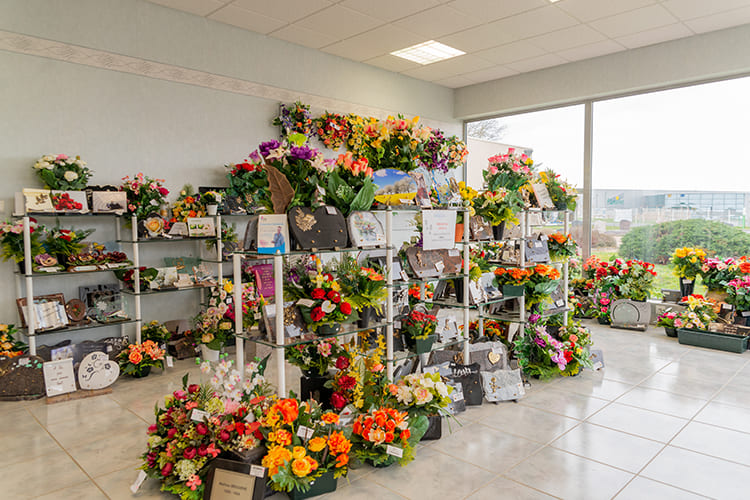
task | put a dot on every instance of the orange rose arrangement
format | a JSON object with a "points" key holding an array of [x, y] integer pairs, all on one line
{"points": [[138, 359], [303, 445], [384, 436], [543, 280], [562, 246]]}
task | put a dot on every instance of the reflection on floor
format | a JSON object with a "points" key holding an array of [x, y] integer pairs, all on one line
{"points": [[661, 420]]}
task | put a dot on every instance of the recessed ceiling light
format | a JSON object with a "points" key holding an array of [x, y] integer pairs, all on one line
{"points": [[553, 1], [428, 52]]}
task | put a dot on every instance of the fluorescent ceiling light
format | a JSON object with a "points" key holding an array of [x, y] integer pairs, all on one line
{"points": [[428, 52]]}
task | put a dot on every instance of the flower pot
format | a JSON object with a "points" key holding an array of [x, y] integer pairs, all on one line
{"points": [[513, 290], [423, 346], [212, 209], [671, 332], [141, 372], [324, 484], [458, 284], [459, 232], [313, 387], [560, 204], [209, 354], [22, 266], [435, 430], [603, 320], [742, 318], [329, 329], [687, 286], [366, 317], [497, 231], [387, 463]]}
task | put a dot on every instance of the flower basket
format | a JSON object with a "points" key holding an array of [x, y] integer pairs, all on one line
{"points": [[713, 340], [324, 484], [423, 346], [209, 354], [671, 332], [329, 329], [435, 429], [513, 290]]}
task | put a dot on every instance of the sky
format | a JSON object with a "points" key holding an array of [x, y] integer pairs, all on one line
{"points": [[693, 138]]}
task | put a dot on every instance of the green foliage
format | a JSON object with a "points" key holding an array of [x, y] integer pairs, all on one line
{"points": [[656, 243], [340, 194]]}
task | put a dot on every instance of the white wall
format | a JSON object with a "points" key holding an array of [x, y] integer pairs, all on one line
{"points": [[84, 77], [719, 54]]}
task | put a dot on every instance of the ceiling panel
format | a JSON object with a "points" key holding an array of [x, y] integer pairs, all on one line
{"points": [[535, 63], [588, 10], [634, 21], [454, 82], [481, 37], [286, 10], [451, 67], [536, 22], [197, 7], [720, 21], [436, 22], [303, 36], [592, 50], [690, 9], [492, 73], [245, 19], [657, 35], [339, 21], [392, 63], [511, 52], [377, 42], [567, 38], [390, 10], [490, 10]]}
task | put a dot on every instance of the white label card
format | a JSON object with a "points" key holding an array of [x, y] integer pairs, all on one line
{"points": [[306, 302], [404, 276], [257, 471], [305, 432], [454, 252], [330, 210], [598, 365], [394, 451], [457, 396], [138, 482], [23, 361], [199, 415], [170, 362], [439, 266]]}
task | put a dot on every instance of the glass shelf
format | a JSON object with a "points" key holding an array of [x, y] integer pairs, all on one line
{"points": [[451, 303], [66, 273], [65, 214], [171, 240], [255, 253], [424, 281], [510, 318], [93, 324], [167, 290], [346, 329], [435, 347]]}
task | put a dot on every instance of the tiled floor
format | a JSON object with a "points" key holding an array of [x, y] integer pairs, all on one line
{"points": [[660, 421]]}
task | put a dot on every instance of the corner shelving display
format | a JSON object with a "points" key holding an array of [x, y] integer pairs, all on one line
{"points": [[25, 286]]}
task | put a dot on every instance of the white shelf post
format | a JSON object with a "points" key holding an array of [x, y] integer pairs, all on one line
{"points": [[238, 329], [389, 300], [278, 282]]}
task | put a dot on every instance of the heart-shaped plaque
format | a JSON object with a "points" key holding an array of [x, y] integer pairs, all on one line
{"points": [[97, 371], [493, 357]]}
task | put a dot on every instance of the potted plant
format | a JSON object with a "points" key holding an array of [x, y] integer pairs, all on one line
{"points": [[738, 294], [60, 172], [138, 359], [211, 200], [716, 273], [543, 280], [468, 194], [688, 263], [562, 194], [419, 328], [307, 453], [145, 195], [212, 331], [314, 360], [383, 436], [364, 287], [187, 204], [62, 243], [541, 355], [11, 237], [9, 346], [497, 207], [350, 187], [636, 280], [562, 247], [512, 280], [666, 320], [423, 394], [157, 332]]}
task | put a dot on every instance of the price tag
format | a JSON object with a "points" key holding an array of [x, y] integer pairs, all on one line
{"points": [[405, 201], [394, 451], [198, 415], [397, 325], [439, 266], [109, 349], [425, 203], [346, 415], [598, 366], [23, 362], [257, 471], [305, 432], [170, 362], [293, 331], [457, 396], [306, 302], [138, 482], [726, 306], [453, 252], [404, 276], [330, 210]]}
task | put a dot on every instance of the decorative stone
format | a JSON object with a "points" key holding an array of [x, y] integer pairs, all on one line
{"points": [[97, 371], [21, 378]]}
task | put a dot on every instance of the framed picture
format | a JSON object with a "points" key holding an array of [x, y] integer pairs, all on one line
{"points": [[109, 202], [422, 197], [273, 234], [166, 277], [365, 230], [59, 377], [49, 311], [184, 265], [393, 187], [201, 226], [38, 200], [178, 229], [234, 480], [72, 202]]}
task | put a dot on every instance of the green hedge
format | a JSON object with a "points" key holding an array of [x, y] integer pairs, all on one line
{"points": [[657, 242]]}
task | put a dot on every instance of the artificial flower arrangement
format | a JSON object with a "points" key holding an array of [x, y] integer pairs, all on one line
{"points": [[578, 341], [138, 359], [11, 239], [360, 379], [145, 195], [603, 298], [156, 331], [418, 325], [318, 294], [510, 171], [699, 313], [493, 330], [188, 204], [127, 276], [9, 346], [295, 462], [364, 286], [497, 205], [345, 382], [231, 386], [211, 328], [442, 154], [583, 307], [180, 447], [228, 239], [562, 246], [738, 293], [511, 276], [715, 273], [422, 394], [562, 194], [60, 172], [62, 202], [65, 242], [415, 292], [688, 262], [383, 436], [295, 119], [392, 143], [248, 181], [543, 356], [636, 280], [222, 299], [314, 358], [467, 194], [543, 280], [211, 198], [349, 184], [333, 130]]}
